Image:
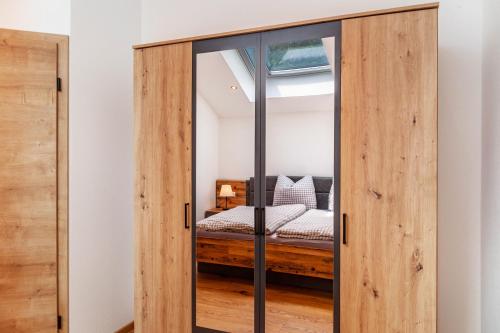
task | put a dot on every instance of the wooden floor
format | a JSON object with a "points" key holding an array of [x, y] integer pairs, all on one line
{"points": [[226, 304], [129, 328]]}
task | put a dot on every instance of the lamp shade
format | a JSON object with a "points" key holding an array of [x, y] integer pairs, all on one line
{"points": [[226, 191]]}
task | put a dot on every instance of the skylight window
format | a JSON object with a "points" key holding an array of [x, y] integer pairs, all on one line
{"points": [[293, 58]]}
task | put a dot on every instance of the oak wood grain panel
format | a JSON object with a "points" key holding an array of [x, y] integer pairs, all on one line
{"points": [[240, 189], [28, 183], [13, 37], [292, 24], [279, 257], [163, 79], [63, 182], [389, 173]]}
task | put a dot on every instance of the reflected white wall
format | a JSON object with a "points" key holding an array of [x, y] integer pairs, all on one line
{"points": [[207, 156]]}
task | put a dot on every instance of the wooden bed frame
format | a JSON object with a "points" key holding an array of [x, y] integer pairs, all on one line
{"points": [[281, 258]]}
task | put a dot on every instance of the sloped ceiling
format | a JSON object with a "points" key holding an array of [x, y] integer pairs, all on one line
{"points": [[215, 78]]}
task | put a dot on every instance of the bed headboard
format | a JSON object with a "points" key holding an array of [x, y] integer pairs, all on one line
{"points": [[322, 186]]}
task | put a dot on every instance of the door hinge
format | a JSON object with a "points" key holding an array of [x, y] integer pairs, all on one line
{"points": [[59, 84], [59, 322]]}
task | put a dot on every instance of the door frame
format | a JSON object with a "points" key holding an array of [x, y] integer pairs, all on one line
{"points": [[206, 46], [319, 30], [62, 42], [259, 40]]}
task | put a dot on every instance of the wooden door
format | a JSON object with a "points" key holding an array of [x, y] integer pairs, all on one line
{"points": [[28, 184], [389, 173], [163, 84]]}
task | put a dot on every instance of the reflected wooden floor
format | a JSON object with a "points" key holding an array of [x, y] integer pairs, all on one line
{"points": [[226, 304]]}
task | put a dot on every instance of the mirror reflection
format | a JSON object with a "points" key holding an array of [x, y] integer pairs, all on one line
{"points": [[225, 149], [299, 185]]}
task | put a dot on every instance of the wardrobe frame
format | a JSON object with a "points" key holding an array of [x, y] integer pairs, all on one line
{"points": [[428, 316], [261, 40]]}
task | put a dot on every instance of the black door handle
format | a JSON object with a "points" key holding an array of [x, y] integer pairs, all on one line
{"points": [[260, 218], [186, 213], [257, 220], [344, 229]]}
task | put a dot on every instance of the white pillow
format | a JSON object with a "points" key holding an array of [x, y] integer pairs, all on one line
{"points": [[330, 199], [287, 192]]}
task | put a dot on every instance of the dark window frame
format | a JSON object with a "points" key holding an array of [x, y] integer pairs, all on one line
{"points": [[245, 57]]}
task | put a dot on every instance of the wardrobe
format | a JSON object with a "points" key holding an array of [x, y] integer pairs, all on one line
{"points": [[378, 72]]}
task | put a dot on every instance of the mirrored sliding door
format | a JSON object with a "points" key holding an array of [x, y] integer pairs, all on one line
{"points": [[224, 189], [300, 97]]}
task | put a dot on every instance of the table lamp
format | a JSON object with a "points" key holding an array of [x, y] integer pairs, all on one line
{"points": [[226, 192]]}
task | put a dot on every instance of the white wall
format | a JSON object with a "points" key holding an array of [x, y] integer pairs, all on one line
{"points": [[300, 143], [35, 15], [207, 153], [491, 168], [459, 120], [459, 149], [236, 147], [101, 164], [170, 19], [293, 146]]}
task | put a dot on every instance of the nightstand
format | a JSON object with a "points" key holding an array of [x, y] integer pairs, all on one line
{"points": [[212, 211]]}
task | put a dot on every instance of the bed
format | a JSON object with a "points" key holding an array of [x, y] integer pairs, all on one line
{"points": [[291, 246]]}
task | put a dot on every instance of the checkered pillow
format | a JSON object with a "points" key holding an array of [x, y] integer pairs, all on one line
{"points": [[287, 192], [330, 199]]}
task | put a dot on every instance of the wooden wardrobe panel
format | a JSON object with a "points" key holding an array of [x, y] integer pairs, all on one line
{"points": [[62, 183], [163, 84], [389, 173], [28, 184]]}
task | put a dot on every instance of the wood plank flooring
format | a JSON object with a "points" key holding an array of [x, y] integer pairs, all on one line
{"points": [[226, 304], [129, 328]]}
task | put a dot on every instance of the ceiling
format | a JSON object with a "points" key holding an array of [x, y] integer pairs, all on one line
{"points": [[293, 94]]}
